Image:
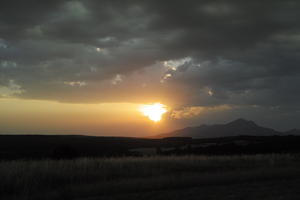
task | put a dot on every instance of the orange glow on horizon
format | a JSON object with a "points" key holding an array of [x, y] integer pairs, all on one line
{"points": [[21, 116]]}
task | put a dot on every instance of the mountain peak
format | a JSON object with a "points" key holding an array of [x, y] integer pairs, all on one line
{"points": [[242, 122], [237, 127]]}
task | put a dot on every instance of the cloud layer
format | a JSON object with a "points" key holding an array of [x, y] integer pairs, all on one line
{"points": [[191, 53]]}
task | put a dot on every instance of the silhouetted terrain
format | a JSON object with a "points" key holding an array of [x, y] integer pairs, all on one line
{"points": [[292, 132], [237, 137], [234, 128], [67, 146]]}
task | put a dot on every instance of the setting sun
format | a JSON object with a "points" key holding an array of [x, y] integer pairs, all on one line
{"points": [[153, 111]]}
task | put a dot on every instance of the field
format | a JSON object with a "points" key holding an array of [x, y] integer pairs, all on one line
{"points": [[270, 176]]}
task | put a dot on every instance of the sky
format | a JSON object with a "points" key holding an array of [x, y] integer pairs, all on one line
{"points": [[85, 67]]}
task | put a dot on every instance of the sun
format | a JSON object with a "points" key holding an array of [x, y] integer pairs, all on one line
{"points": [[153, 111]]}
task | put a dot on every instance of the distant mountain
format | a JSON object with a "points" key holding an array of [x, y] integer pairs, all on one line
{"points": [[234, 128], [292, 132]]}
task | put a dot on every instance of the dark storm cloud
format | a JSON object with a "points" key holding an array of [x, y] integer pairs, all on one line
{"points": [[17, 16], [241, 52]]}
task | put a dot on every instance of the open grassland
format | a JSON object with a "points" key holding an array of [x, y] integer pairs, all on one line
{"points": [[275, 176]]}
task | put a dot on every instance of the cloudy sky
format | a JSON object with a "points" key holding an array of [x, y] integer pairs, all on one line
{"points": [[72, 66]]}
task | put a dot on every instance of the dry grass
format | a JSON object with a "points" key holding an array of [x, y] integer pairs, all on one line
{"points": [[82, 178]]}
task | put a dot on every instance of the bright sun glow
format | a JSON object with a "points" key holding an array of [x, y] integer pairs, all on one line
{"points": [[153, 111]]}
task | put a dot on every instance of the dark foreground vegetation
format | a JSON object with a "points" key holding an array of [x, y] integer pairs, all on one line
{"points": [[269, 176], [91, 168]]}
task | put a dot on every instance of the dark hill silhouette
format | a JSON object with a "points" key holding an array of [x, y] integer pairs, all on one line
{"points": [[234, 128], [237, 137], [67, 146]]}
